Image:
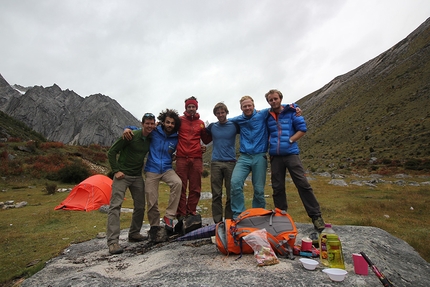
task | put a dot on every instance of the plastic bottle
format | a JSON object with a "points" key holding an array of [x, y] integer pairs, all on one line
{"points": [[334, 250], [323, 244]]}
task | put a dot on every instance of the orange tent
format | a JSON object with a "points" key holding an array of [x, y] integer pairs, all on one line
{"points": [[90, 194]]}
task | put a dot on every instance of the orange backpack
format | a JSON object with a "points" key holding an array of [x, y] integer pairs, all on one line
{"points": [[280, 227]]}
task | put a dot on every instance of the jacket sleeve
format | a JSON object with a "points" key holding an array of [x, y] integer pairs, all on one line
{"points": [[299, 123], [114, 150], [133, 128], [205, 136]]}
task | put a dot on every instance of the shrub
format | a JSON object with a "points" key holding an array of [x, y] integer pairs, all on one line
{"points": [[74, 173], [48, 145], [4, 155], [44, 166], [51, 188], [14, 140], [94, 153]]}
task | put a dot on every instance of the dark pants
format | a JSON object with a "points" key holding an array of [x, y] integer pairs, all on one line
{"points": [[279, 165], [221, 173]]}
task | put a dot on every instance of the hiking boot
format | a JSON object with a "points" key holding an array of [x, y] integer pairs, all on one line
{"points": [[157, 234], [179, 227], [136, 237], [192, 222], [319, 224], [114, 248]]}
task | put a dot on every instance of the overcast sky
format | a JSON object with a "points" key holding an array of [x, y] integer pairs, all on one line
{"points": [[152, 55]]}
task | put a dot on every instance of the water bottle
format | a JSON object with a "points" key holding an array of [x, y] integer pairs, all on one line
{"points": [[323, 244], [334, 250]]}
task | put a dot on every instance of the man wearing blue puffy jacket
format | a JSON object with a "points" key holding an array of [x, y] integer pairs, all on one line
{"points": [[285, 129]]}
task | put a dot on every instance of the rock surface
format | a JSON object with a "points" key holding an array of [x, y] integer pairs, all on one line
{"points": [[199, 263]]}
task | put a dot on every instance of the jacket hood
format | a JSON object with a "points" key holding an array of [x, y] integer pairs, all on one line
{"points": [[195, 117]]}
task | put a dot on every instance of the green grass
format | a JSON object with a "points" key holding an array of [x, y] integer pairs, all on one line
{"points": [[34, 234]]}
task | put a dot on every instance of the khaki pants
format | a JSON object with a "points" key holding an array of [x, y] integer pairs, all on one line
{"points": [[137, 190], [151, 188]]}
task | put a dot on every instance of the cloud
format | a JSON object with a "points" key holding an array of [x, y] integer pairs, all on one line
{"points": [[151, 55]]}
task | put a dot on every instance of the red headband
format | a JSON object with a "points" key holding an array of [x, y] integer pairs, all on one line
{"points": [[191, 102]]}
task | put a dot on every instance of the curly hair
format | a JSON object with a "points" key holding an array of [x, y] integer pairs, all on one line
{"points": [[171, 113]]}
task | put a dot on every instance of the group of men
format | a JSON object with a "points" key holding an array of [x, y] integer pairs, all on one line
{"points": [[274, 130]]}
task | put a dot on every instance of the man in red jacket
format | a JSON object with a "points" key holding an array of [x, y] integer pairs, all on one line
{"points": [[189, 162]]}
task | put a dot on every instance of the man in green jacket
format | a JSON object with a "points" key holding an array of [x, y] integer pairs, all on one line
{"points": [[127, 169]]}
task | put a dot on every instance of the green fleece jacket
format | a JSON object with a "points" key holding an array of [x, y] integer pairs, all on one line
{"points": [[131, 154]]}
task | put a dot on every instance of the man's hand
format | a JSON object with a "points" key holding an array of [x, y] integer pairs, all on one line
{"points": [[298, 112], [203, 148], [119, 175], [127, 134]]}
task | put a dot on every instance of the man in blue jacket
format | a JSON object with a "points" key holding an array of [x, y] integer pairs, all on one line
{"points": [[285, 129], [159, 167], [253, 149]]}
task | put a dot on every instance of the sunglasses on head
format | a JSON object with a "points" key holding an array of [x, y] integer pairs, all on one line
{"points": [[149, 115]]}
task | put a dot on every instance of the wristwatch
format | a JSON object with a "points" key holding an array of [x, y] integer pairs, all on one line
{"points": [[290, 141]]}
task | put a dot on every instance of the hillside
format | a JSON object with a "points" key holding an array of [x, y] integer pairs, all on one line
{"points": [[379, 110], [12, 128]]}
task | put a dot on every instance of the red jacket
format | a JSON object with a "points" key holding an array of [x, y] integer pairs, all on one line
{"points": [[191, 131]]}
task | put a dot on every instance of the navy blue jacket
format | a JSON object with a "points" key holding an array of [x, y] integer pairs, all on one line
{"points": [[161, 151], [282, 128]]}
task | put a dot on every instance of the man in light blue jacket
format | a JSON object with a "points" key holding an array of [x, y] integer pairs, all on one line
{"points": [[253, 149]]}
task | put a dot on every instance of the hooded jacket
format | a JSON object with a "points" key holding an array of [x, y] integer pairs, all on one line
{"points": [[253, 132], [191, 131], [161, 151], [281, 128]]}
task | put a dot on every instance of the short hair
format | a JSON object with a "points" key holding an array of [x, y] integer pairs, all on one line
{"points": [[220, 106], [171, 113], [244, 98], [273, 91]]}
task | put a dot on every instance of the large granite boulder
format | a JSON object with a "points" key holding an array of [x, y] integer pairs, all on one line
{"points": [[199, 263]]}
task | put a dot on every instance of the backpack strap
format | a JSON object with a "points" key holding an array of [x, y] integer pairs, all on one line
{"points": [[281, 247]]}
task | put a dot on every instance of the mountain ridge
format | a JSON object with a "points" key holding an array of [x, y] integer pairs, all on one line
{"points": [[374, 118], [63, 115]]}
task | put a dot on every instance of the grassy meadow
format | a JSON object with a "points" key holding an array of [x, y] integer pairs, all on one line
{"points": [[34, 234]]}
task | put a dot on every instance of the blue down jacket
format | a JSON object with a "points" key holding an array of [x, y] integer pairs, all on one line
{"points": [[281, 130], [161, 151]]}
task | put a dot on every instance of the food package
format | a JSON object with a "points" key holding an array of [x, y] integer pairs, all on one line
{"points": [[263, 252]]}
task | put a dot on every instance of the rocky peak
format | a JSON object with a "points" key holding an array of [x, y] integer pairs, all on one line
{"points": [[63, 115]]}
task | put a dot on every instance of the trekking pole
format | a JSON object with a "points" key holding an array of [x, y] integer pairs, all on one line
{"points": [[384, 280]]}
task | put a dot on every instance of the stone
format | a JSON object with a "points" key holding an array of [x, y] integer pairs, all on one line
{"points": [[180, 264], [338, 182]]}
